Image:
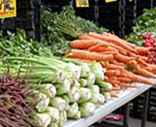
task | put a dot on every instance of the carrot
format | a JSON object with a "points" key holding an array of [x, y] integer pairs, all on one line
{"points": [[137, 56], [86, 37], [117, 38], [101, 48], [82, 44], [95, 48], [142, 62], [143, 51], [113, 66], [105, 43], [140, 70], [81, 54], [111, 73], [122, 58], [113, 40], [108, 52], [115, 83], [127, 85], [83, 60], [124, 79], [117, 63], [141, 79]]}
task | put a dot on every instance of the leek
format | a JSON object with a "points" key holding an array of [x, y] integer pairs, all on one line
{"points": [[59, 103], [42, 102], [97, 69], [54, 114], [73, 111], [87, 109], [42, 119], [85, 94], [49, 90]]}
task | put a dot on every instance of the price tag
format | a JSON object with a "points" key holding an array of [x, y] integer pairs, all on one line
{"points": [[109, 1], [7, 8], [82, 3]]}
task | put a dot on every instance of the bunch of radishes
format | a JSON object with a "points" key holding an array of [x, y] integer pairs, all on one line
{"points": [[149, 39]]}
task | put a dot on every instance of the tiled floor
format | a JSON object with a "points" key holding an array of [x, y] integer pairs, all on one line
{"points": [[137, 123]]}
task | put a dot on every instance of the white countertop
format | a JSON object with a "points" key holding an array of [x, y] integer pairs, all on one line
{"points": [[110, 106]]}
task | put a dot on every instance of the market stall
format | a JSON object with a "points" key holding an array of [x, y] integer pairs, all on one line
{"points": [[67, 71]]}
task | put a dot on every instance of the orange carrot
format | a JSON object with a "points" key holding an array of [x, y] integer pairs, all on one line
{"points": [[113, 67], [115, 83], [124, 79], [105, 43], [122, 58], [115, 41], [82, 44], [128, 85], [117, 38], [143, 50], [137, 69], [95, 48], [86, 37], [113, 73], [81, 54], [117, 63], [141, 79], [100, 48]]}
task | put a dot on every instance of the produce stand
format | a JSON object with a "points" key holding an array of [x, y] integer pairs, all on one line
{"points": [[76, 65], [124, 97]]}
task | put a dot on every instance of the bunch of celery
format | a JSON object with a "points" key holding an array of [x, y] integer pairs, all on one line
{"points": [[62, 89]]}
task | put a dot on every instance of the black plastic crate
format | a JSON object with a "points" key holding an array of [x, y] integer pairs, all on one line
{"points": [[55, 5], [112, 16], [130, 15], [154, 3], [142, 4], [87, 12], [138, 104]]}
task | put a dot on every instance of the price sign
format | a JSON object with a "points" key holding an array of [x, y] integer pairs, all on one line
{"points": [[7, 8], [109, 1], [82, 3]]}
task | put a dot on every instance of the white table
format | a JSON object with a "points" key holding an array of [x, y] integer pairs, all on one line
{"points": [[124, 97]]}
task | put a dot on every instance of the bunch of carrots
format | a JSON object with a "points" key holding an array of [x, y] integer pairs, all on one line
{"points": [[125, 63]]}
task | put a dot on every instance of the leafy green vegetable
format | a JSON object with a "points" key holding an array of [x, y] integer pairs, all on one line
{"points": [[60, 28], [145, 23]]}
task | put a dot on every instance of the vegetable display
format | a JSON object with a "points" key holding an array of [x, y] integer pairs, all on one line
{"points": [[125, 63], [75, 69], [60, 86]]}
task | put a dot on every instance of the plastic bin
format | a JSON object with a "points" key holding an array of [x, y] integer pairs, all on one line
{"points": [[137, 106], [130, 15], [142, 4], [112, 16]]}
